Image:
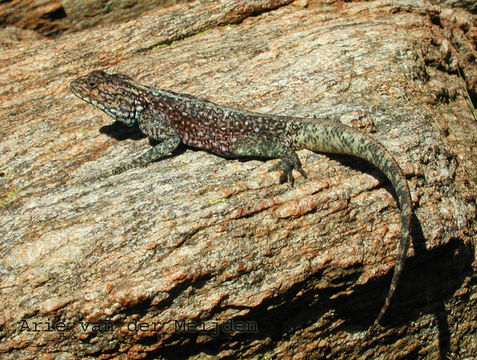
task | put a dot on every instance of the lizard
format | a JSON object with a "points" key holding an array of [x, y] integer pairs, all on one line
{"points": [[169, 119]]}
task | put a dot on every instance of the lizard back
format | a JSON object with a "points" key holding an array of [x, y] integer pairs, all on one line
{"points": [[206, 125]]}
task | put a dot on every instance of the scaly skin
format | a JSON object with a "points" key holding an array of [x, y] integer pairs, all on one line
{"points": [[170, 118]]}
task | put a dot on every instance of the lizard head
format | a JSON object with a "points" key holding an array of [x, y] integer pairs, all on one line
{"points": [[112, 93]]}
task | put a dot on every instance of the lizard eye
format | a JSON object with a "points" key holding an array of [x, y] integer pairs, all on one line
{"points": [[91, 83]]}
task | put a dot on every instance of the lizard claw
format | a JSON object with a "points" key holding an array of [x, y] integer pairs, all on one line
{"points": [[119, 169], [124, 166]]}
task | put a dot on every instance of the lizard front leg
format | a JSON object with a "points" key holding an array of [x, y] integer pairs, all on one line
{"points": [[158, 130], [262, 147], [159, 151]]}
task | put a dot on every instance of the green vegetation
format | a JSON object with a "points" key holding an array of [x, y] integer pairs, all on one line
{"points": [[9, 198]]}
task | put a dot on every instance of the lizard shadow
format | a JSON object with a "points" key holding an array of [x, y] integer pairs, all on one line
{"points": [[120, 132]]}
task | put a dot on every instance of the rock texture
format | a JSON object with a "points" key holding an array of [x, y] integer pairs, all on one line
{"points": [[88, 13], [200, 257], [468, 5], [44, 16], [51, 18]]}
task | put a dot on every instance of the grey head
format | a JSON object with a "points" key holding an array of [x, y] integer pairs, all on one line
{"points": [[115, 94]]}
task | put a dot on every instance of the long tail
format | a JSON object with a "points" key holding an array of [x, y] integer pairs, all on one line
{"points": [[340, 139]]}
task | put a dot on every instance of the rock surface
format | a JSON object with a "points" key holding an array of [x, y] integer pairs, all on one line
{"points": [[44, 16], [200, 257], [469, 5]]}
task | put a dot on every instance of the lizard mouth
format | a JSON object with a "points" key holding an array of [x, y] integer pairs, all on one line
{"points": [[74, 87], [77, 88]]}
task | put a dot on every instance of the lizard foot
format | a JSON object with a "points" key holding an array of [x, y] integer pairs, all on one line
{"points": [[286, 166]]}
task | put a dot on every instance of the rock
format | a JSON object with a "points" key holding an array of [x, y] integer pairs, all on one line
{"points": [[42, 16], [469, 5], [198, 256], [89, 13]]}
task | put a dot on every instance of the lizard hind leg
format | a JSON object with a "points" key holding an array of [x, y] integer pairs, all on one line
{"points": [[261, 147], [286, 165]]}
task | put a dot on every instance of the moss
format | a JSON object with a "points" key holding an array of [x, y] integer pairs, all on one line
{"points": [[9, 198], [203, 32], [160, 46], [215, 201]]}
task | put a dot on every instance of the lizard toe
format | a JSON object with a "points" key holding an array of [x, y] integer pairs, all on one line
{"points": [[286, 166], [287, 176]]}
